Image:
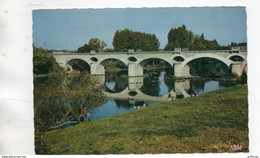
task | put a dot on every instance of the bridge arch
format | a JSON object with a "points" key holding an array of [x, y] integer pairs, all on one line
{"points": [[206, 55], [77, 64], [144, 61], [132, 59], [178, 58], [236, 57], [94, 59], [104, 61]]}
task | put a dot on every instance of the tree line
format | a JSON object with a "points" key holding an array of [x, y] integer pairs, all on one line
{"points": [[180, 37]]}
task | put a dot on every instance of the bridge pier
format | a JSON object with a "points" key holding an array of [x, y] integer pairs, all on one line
{"points": [[180, 71], [97, 69], [236, 68], [135, 69], [135, 73]]}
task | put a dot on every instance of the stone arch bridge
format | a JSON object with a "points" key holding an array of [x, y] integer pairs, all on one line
{"points": [[136, 60]]}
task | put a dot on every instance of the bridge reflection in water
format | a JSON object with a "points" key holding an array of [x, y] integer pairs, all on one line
{"points": [[133, 92], [153, 87]]}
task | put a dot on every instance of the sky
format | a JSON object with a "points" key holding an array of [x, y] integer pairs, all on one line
{"points": [[68, 29]]}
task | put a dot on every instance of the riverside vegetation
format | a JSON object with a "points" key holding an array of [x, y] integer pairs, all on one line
{"points": [[211, 122], [59, 96]]}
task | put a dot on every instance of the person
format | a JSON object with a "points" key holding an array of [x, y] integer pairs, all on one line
{"points": [[171, 95], [85, 114]]}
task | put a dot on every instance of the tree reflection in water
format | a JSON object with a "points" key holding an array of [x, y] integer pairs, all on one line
{"points": [[123, 103], [119, 81], [157, 81]]}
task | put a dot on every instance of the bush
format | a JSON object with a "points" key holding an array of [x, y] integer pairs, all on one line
{"points": [[44, 63]]}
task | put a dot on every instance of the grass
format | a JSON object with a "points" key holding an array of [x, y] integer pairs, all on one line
{"points": [[211, 122]]}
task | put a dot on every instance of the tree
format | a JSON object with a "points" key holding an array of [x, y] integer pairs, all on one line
{"points": [[93, 44], [233, 44], [103, 44], [172, 45], [84, 49], [211, 44], [44, 63], [179, 37], [128, 39], [198, 43], [108, 50], [121, 40]]}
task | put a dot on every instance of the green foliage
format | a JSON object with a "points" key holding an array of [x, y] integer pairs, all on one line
{"points": [[243, 46], [93, 44], [103, 44], [108, 50], [63, 96], [121, 82], [169, 78], [179, 37], [211, 122], [84, 49], [152, 88], [128, 39], [172, 45], [182, 38], [197, 43], [154, 63], [208, 67], [79, 65], [115, 64], [44, 63], [111, 65], [243, 78]]}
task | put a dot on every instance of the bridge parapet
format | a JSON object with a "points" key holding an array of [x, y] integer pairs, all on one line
{"points": [[177, 51]]}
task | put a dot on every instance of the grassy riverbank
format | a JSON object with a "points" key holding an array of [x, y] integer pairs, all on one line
{"points": [[211, 122]]}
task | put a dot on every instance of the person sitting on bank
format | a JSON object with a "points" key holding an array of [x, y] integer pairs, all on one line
{"points": [[171, 95], [85, 114]]}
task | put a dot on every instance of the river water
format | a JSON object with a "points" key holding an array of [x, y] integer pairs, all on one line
{"points": [[155, 86]]}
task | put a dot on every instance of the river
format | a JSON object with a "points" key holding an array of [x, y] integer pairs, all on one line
{"points": [[154, 87]]}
